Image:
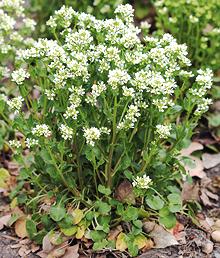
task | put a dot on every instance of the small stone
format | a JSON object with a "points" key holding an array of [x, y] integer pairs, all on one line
{"points": [[216, 236], [207, 247], [217, 224]]}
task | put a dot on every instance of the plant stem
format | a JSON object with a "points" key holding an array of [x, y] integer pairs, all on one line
{"points": [[75, 192], [112, 145]]}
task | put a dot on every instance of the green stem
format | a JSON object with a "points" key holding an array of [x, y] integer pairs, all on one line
{"points": [[112, 145], [75, 192]]}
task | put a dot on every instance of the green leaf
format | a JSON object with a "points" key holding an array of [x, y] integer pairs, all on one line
{"points": [[167, 218], [155, 202], [138, 223], [100, 245], [103, 207], [57, 213], [214, 120], [69, 231], [102, 189], [175, 207], [128, 174], [174, 198], [97, 236], [131, 213], [31, 228], [169, 221]]}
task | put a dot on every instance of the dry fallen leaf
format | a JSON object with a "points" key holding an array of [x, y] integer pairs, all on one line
{"points": [[190, 192], [194, 146], [124, 193], [47, 246], [162, 238], [205, 197], [4, 220], [72, 252], [198, 170], [114, 232], [210, 160], [20, 227]]}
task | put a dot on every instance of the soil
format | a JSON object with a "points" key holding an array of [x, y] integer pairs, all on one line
{"points": [[192, 248]]}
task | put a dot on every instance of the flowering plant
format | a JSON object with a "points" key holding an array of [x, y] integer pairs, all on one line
{"points": [[104, 134], [15, 31], [196, 23]]}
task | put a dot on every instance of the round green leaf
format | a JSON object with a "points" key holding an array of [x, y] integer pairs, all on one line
{"points": [[155, 202], [57, 213]]}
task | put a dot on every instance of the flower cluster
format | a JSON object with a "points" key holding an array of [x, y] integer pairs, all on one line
{"points": [[41, 130], [163, 131], [15, 29], [66, 132], [143, 182], [30, 142], [15, 103], [19, 76]]}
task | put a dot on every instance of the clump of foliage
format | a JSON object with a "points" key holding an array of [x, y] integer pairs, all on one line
{"points": [[196, 23], [103, 136]]}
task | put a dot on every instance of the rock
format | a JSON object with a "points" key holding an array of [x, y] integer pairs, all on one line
{"points": [[217, 224], [207, 247], [216, 236]]}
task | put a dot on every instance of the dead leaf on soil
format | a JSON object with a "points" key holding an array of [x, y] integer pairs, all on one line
{"points": [[194, 146], [124, 193], [190, 192], [47, 246], [4, 221], [198, 170], [179, 233], [114, 232], [210, 160], [205, 223], [162, 238], [72, 252], [20, 227], [205, 197]]}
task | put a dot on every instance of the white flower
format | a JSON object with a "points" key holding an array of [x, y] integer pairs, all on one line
{"points": [[118, 77], [92, 135], [142, 182], [29, 23], [19, 76], [163, 131], [203, 106], [145, 25], [50, 94], [130, 118], [41, 130], [30, 142], [126, 11], [15, 144], [71, 112], [15, 103], [66, 132]]}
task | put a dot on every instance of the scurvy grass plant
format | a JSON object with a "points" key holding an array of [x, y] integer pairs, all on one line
{"points": [[105, 133], [15, 32], [196, 23]]}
